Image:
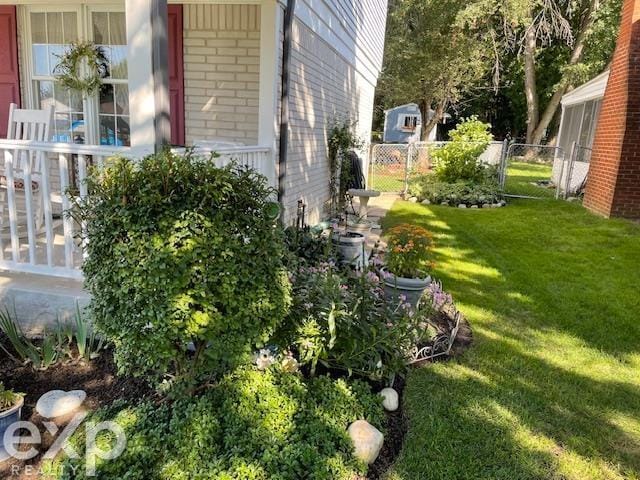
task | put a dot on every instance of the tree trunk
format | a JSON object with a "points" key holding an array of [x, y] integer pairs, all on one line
{"points": [[530, 87], [576, 56], [429, 124]]}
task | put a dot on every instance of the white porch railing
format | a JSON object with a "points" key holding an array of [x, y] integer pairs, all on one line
{"points": [[35, 235]]}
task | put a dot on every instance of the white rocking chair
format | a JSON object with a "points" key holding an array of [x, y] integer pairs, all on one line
{"points": [[32, 125]]}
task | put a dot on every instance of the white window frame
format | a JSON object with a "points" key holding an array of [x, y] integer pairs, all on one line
{"points": [[85, 31], [402, 119]]}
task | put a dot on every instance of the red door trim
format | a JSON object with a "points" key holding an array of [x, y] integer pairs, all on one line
{"points": [[9, 69], [176, 73]]}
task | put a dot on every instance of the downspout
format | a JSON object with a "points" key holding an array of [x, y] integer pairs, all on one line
{"points": [[284, 101]]}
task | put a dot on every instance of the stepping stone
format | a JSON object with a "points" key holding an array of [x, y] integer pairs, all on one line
{"points": [[57, 403]]}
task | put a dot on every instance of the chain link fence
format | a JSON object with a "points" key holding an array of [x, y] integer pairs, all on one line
{"points": [[532, 171], [392, 164]]}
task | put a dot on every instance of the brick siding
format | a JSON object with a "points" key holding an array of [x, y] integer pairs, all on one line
{"points": [[221, 72], [613, 188]]}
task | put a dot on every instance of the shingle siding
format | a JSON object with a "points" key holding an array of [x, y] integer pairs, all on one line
{"points": [[221, 72]]}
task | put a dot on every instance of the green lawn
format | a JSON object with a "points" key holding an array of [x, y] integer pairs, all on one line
{"points": [[520, 176], [551, 387]]}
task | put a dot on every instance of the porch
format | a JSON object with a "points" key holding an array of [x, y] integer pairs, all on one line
{"points": [[201, 75]]}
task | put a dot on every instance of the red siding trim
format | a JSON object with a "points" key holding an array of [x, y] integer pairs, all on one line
{"points": [[9, 73], [176, 73]]}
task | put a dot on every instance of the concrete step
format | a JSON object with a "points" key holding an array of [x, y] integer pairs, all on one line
{"points": [[38, 301]]}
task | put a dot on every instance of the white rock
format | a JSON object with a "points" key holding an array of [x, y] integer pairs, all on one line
{"points": [[367, 440], [390, 400], [57, 403], [496, 205], [444, 203], [486, 205], [462, 205], [426, 201], [474, 206], [413, 199], [503, 203]]}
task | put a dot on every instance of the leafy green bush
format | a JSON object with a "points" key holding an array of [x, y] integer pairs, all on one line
{"points": [[459, 159], [252, 425], [469, 192], [343, 321], [182, 256]]}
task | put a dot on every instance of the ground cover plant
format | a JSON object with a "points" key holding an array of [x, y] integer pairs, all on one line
{"points": [[252, 425], [550, 388]]}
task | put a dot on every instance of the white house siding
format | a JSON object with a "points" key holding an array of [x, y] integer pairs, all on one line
{"points": [[336, 57], [221, 72]]}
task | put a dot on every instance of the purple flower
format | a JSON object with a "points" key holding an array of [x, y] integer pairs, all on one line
{"points": [[372, 277]]}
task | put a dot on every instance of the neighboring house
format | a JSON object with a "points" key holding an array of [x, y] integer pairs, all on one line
{"points": [[214, 73], [580, 111], [403, 124]]}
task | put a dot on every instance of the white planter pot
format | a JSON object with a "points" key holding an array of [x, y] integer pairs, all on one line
{"points": [[360, 227], [9, 417], [351, 247], [412, 288]]}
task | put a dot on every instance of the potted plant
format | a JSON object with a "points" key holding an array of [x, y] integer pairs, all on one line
{"points": [[350, 246], [10, 408], [408, 261], [358, 225]]}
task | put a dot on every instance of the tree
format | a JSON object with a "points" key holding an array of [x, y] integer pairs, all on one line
{"points": [[432, 56], [580, 34]]}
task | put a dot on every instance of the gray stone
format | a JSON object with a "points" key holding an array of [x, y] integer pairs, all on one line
{"points": [[496, 205], [503, 203], [426, 201], [390, 400], [462, 205], [57, 403], [444, 203], [486, 205], [413, 199], [474, 206], [367, 440]]}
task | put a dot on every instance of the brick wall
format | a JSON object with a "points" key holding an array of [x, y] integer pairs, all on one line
{"points": [[221, 72], [613, 188], [323, 87]]}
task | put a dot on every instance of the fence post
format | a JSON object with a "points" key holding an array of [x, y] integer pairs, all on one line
{"points": [[503, 162], [407, 162], [567, 182]]}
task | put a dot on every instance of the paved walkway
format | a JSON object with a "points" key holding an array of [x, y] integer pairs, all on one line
{"points": [[377, 209]]}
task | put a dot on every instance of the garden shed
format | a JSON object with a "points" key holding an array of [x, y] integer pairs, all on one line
{"points": [[402, 124], [580, 109]]}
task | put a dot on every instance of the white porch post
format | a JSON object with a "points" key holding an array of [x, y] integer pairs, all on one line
{"points": [[270, 31], [147, 56]]}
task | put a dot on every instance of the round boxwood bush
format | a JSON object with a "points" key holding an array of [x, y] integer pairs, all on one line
{"points": [[184, 264]]}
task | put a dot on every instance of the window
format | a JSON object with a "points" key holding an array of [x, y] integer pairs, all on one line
{"points": [[51, 34], [104, 118], [109, 33], [408, 122]]}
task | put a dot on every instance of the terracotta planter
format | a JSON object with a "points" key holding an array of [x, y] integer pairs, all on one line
{"points": [[412, 288], [351, 247]]}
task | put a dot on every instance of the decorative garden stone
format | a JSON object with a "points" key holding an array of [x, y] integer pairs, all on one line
{"points": [[290, 365], [264, 359], [390, 400], [462, 205], [413, 199], [426, 201], [367, 440], [474, 206], [57, 403], [444, 203], [486, 205]]}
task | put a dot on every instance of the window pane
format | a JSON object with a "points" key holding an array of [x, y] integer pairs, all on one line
{"points": [[107, 130], [100, 28], [55, 54], [78, 128], [118, 29], [45, 94], [38, 28], [76, 101], [106, 99], [70, 27], [62, 128], [122, 99], [40, 60], [124, 137], [54, 27], [61, 96], [119, 62]]}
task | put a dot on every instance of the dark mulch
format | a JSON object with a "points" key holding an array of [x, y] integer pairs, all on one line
{"points": [[98, 378]]}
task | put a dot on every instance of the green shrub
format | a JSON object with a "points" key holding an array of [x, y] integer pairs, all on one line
{"points": [[459, 159], [342, 320], [252, 425], [469, 192], [182, 254]]}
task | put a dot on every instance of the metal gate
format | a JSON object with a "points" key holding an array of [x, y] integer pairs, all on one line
{"points": [[532, 171], [393, 164], [577, 171]]}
